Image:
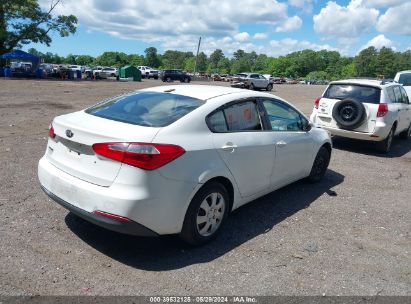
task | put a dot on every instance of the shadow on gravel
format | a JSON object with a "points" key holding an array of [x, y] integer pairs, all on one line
{"points": [[399, 147], [244, 224]]}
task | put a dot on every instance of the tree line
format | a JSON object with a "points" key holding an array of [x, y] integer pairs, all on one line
{"points": [[308, 64]]}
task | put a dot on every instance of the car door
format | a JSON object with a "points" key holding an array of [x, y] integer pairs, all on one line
{"points": [[243, 145], [406, 112], [401, 109], [294, 146]]}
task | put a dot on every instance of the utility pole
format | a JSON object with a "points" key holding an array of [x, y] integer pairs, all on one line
{"points": [[198, 50]]}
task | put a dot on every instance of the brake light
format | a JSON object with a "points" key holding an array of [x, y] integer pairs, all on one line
{"points": [[317, 102], [111, 216], [145, 156], [51, 131], [382, 109]]}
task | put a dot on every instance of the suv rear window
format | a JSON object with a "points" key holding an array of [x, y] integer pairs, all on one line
{"points": [[149, 109], [365, 94], [405, 79]]}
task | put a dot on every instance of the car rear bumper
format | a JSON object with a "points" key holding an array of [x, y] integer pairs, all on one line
{"points": [[126, 227], [379, 134], [152, 202]]}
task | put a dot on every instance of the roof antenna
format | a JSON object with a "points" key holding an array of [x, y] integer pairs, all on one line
{"points": [[170, 90]]}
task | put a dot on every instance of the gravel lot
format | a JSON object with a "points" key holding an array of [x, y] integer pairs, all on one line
{"points": [[348, 235]]}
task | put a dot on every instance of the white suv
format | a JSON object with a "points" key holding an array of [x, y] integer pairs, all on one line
{"points": [[362, 109], [404, 78]]}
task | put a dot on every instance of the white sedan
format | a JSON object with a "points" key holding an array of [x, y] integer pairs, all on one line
{"points": [[178, 159]]}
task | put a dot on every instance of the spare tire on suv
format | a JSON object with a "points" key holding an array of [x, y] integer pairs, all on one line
{"points": [[349, 113]]}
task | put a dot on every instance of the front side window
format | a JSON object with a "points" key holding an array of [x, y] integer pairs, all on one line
{"points": [[404, 96], [282, 117], [391, 95], [149, 109], [242, 116]]}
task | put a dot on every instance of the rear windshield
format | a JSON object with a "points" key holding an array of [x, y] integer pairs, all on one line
{"points": [[149, 109], [361, 93], [405, 79]]}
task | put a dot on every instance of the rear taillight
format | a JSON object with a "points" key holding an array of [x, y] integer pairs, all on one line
{"points": [[111, 216], [51, 131], [382, 109], [146, 156], [317, 102]]}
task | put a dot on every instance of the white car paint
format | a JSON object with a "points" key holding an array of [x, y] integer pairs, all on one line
{"points": [[257, 162], [373, 128], [407, 85]]}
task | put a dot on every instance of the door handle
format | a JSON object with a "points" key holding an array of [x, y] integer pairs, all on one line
{"points": [[229, 147], [281, 143]]}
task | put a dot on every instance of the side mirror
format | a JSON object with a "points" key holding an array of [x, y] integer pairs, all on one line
{"points": [[307, 126]]}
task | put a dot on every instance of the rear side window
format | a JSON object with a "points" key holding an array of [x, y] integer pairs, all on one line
{"points": [[238, 117], [391, 95], [405, 79], [361, 93], [149, 109]]}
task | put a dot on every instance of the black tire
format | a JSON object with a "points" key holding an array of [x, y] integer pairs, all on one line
{"points": [[251, 86], [406, 133], [349, 113], [155, 77], [168, 79], [320, 165], [186, 80], [190, 232], [385, 145], [269, 87]]}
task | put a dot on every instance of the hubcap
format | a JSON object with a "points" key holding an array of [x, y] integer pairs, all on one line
{"points": [[210, 214]]}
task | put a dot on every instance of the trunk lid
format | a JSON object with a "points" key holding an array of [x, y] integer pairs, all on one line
{"points": [[74, 154]]}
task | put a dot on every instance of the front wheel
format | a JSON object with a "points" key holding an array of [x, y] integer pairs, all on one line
{"points": [[251, 86], [206, 214], [269, 87], [321, 162]]}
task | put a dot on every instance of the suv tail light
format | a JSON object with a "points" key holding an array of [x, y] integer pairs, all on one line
{"points": [[317, 102], [51, 131], [382, 109], [145, 156]]}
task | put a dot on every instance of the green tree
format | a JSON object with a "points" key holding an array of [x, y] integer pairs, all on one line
{"points": [[224, 66], [202, 62], [215, 58], [135, 59], [366, 62], [189, 64], [151, 59], [23, 22], [85, 60], [385, 65]]}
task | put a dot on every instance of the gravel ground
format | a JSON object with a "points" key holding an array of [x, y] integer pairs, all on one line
{"points": [[348, 235]]}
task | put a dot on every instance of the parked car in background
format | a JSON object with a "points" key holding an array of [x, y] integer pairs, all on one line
{"points": [[171, 75], [279, 80], [252, 81], [369, 110], [21, 67], [153, 74], [176, 159], [108, 72], [404, 78], [96, 71], [47, 68], [75, 68], [146, 71]]}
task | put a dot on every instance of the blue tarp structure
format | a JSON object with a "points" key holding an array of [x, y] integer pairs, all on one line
{"points": [[23, 56]]}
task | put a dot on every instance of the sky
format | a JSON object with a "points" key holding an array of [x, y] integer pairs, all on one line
{"points": [[272, 27]]}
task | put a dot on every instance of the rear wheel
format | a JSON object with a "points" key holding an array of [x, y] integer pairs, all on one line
{"points": [[206, 214], [321, 162], [385, 145], [406, 134]]}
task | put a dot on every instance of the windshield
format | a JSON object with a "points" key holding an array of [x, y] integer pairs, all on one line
{"points": [[150, 109], [405, 79], [362, 93]]}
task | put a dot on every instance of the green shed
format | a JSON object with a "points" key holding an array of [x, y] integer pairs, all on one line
{"points": [[130, 71]]}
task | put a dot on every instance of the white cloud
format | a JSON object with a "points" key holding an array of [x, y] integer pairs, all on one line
{"points": [[305, 5], [291, 24], [336, 21], [288, 45], [241, 37], [381, 3], [260, 36], [378, 42], [396, 20], [168, 23]]}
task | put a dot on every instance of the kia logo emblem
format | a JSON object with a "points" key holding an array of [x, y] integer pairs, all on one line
{"points": [[69, 133]]}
